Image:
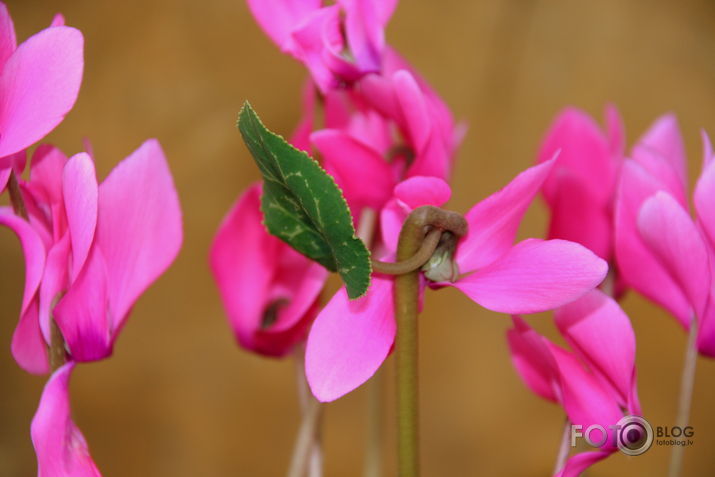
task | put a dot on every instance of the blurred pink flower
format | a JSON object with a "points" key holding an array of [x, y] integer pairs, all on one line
{"points": [[39, 83], [91, 249], [59, 444], [269, 290], [580, 190], [338, 43], [350, 339], [596, 382]]}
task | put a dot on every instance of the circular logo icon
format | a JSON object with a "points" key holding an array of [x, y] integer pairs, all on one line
{"points": [[635, 435]]}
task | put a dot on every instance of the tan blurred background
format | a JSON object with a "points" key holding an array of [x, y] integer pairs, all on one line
{"points": [[180, 399]]}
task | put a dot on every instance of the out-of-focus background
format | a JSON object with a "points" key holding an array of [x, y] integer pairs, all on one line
{"points": [[179, 398]]}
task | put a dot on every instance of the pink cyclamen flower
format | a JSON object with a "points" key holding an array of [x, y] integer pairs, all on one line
{"points": [[350, 339], [39, 83], [580, 190], [269, 290], [338, 43], [685, 250], [90, 250], [657, 164], [596, 382], [59, 444]]}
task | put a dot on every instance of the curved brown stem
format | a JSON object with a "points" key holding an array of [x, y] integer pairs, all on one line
{"points": [[415, 261]]}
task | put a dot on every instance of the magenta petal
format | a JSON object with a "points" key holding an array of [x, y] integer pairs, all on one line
{"points": [[601, 332], [48, 163], [585, 400], [54, 281], [58, 20], [704, 203], [39, 85], [420, 190], [535, 276], [616, 131], [532, 360], [33, 249], [80, 195], [59, 444], [349, 340], [578, 463], [663, 140], [4, 177], [278, 18], [636, 263], [28, 346], [241, 244], [8, 42], [83, 315], [672, 237], [364, 176], [138, 226], [494, 222], [413, 108]]}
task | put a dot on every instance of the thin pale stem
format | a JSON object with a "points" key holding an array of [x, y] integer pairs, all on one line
{"points": [[687, 384], [313, 461], [407, 290], [373, 445], [305, 440], [563, 448]]}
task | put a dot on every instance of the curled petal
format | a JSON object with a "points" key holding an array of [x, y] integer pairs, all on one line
{"points": [[674, 240], [138, 226], [349, 341], [704, 203], [8, 42], [83, 313], [33, 249], [639, 268], [533, 361], [278, 18], [54, 281], [598, 329], [535, 276], [59, 444], [39, 83], [28, 346], [80, 194], [493, 222]]}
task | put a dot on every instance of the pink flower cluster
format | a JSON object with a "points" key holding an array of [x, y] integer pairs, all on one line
{"points": [[90, 249]]}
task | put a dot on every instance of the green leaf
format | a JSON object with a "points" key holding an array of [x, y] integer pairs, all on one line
{"points": [[303, 206]]}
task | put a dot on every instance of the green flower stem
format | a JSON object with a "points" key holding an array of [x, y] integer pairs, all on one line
{"points": [[686, 395], [57, 353], [418, 225]]}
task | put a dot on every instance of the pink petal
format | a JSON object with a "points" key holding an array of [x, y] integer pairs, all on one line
{"points": [[364, 176], [58, 20], [28, 347], [493, 222], [585, 400], [8, 43], [241, 244], [532, 360], [583, 151], [83, 314], [535, 276], [674, 240], [278, 18], [708, 153], [39, 85], [138, 227], [706, 332], [48, 164], [349, 341], [577, 464], [413, 108], [54, 281], [616, 131], [300, 139], [577, 215], [4, 177], [364, 23], [59, 444], [33, 249], [664, 141], [80, 195], [598, 329], [419, 190], [636, 263], [704, 203]]}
